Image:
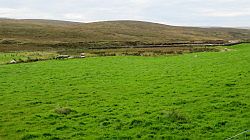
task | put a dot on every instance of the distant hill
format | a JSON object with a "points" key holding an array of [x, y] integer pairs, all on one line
{"points": [[53, 31], [244, 28]]}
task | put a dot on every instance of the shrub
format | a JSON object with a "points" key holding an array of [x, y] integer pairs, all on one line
{"points": [[176, 116], [63, 110]]}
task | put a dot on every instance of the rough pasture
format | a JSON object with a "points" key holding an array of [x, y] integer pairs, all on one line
{"points": [[190, 96]]}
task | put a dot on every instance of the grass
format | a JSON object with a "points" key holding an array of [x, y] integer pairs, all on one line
{"points": [[156, 51], [56, 34], [190, 96], [30, 55], [25, 56], [63, 36]]}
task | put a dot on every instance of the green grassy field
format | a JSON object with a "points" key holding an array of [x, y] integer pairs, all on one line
{"points": [[190, 96]]}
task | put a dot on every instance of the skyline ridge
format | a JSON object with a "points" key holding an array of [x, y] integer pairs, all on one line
{"points": [[238, 27]]}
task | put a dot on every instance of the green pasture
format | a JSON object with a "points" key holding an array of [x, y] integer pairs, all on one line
{"points": [[191, 96]]}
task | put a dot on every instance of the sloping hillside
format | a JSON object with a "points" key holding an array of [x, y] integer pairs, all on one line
{"points": [[49, 31]]}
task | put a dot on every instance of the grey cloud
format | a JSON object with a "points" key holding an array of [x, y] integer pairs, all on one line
{"points": [[180, 12]]}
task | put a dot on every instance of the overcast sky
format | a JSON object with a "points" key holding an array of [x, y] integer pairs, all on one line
{"points": [[174, 12]]}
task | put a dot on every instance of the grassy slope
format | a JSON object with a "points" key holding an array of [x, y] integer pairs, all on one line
{"points": [[44, 31], [196, 96]]}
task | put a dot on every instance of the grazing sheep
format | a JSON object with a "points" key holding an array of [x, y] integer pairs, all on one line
{"points": [[13, 61], [82, 55]]}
